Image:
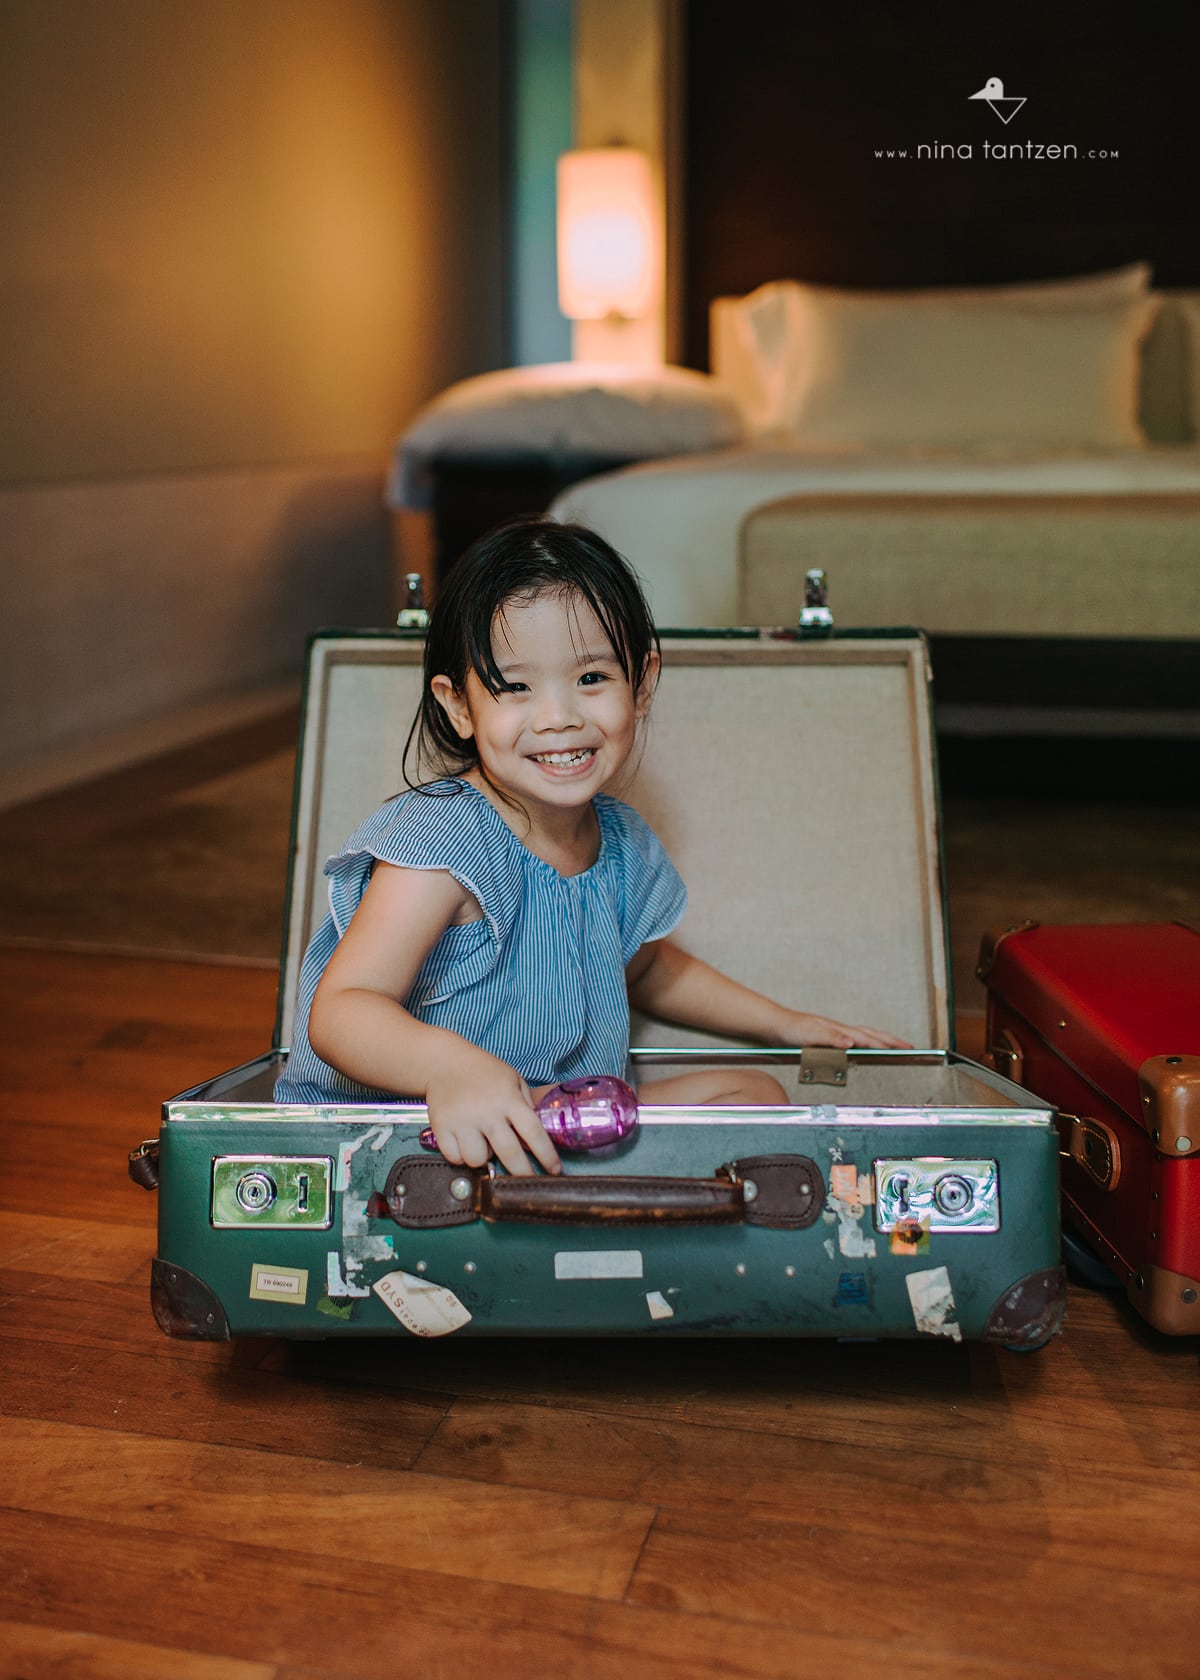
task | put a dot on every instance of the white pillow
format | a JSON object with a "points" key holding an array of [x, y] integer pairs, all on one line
{"points": [[1052, 364], [565, 409]]}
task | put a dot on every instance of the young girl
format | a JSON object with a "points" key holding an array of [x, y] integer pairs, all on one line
{"points": [[488, 931]]}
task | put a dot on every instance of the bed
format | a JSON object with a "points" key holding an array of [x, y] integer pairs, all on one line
{"points": [[961, 401], [1012, 467]]}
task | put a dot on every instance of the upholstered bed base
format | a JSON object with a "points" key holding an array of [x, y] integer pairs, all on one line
{"points": [[1094, 566]]}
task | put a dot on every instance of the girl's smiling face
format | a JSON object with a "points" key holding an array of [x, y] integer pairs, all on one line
{"points": [[565, 723]]}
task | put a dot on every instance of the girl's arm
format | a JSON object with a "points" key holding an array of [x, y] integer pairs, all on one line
{"points": [[477, 1103], [668, 983]]}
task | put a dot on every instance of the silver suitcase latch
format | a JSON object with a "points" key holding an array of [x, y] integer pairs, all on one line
{"points": [[413, 615], [816, 618]]}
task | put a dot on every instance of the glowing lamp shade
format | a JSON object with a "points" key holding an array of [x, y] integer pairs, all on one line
{"points": [[605, 234]]}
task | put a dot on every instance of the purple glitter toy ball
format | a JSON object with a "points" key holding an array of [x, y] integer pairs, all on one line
{"points": [[589, 1113], [581, 1113]]}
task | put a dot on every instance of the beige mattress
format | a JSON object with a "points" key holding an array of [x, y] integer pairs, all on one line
{"points": [[679, 521]]}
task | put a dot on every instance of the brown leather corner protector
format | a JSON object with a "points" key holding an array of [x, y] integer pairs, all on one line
{"points": [[420, 1192], [783, 1191], [991, 943], [1170, 1107], [1031, 1312], [1167, 1300], [1095, 1147], [184, 1306]]}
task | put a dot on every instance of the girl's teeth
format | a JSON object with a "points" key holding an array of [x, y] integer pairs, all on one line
{"points": [[563, 758]]}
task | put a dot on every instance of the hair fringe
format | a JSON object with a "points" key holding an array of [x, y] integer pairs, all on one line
{"points": [[520, 560]]}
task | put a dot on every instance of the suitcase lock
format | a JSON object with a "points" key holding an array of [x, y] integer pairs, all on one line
{"points": [[272, 1190], [937, 1194], [255, 1191]]}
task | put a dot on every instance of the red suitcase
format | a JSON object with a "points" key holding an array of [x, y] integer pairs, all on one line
{"points": [[1104, 1022]]}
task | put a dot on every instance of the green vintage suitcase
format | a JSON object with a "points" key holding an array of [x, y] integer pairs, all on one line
{"points": [[899, 1193]]}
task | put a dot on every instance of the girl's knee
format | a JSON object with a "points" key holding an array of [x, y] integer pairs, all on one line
{"points": [[716, 1088], [757, 1089]]}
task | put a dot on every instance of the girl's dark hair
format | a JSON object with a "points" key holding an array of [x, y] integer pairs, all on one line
{"points": [[518, 562]]}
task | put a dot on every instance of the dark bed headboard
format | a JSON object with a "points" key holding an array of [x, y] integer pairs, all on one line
{"points": [[790, 104]]}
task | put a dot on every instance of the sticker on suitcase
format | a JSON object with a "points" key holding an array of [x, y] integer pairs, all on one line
{"points": [[849, 1197], [932, 1299], [574, 1264], [425, 1308], [278, 1283]]}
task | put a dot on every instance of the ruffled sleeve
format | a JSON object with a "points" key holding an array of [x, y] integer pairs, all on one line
{"points": [[651, 896], [444, 829]]}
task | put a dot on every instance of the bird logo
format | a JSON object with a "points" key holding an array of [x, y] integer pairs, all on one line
{"points": [[1005, 105]]}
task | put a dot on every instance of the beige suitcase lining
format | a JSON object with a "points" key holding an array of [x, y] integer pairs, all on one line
{"points": [[792, 784]]}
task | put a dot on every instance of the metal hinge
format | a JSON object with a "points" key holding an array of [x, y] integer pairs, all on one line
{"points": [[821, 1064]]}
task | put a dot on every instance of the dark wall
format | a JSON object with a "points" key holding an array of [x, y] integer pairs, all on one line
{"points": [[243, 241], [789, 105]]}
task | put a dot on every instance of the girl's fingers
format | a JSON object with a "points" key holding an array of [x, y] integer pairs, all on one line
{"points": [[505, 1138], [476, 1148], [507, 1150], [823, 1031], [872, 1039], [537, 1140], [473, 1148]]}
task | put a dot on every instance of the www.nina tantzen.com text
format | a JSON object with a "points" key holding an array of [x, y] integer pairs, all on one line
{"points": [[1038, 150]]}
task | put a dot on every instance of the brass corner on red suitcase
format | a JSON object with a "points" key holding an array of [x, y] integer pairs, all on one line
{"points": [[1167, 1300], [1170, 1108]]}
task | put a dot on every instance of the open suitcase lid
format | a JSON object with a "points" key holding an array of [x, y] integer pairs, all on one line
{"points": [[792, 783]]}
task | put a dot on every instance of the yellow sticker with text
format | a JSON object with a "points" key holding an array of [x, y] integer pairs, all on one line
{"points": [[278, 1283]]}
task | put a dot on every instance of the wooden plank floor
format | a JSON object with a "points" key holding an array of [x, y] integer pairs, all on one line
{"points": [[262, 1511]]}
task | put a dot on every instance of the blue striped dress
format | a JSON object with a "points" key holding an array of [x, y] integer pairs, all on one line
{"points": [[539, 979]]}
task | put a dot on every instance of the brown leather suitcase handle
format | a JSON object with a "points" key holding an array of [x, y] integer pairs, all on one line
{"points": [[618, 1201], [427, 1192]]}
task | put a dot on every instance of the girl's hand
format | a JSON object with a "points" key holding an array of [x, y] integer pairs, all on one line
{"points": [[819, 1029], [482, 1107]]}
